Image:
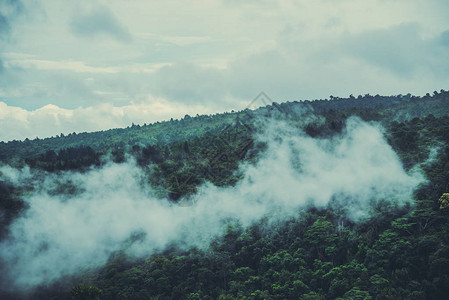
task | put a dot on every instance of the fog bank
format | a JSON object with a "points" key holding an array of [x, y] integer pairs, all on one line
{"points": [[64, 234]]}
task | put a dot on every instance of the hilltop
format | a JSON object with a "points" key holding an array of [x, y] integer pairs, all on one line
{"points": [[378, 108]]}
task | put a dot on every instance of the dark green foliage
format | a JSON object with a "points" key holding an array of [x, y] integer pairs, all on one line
{"points": [[381, 108], [67, 159], [10, 205], [84, 292], [296, 260], [397, 253], [120, 139]]}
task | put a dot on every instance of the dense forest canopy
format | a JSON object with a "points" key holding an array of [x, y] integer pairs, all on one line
{"points": [[342, 198]]}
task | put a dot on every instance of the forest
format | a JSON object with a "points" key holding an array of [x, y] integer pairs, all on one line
{"points": [[343, 198]]}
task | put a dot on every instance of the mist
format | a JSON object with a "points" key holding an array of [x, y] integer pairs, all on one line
{"points": [[63, 234]]}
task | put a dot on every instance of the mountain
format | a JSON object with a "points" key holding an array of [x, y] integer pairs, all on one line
{"points": [[344, 198], [380, 108]]}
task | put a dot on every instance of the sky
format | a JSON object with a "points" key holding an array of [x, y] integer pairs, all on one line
{"points": [[73, 66]]}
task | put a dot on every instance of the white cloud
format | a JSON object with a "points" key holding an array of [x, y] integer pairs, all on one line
{"points": [[75, 66], [51, 120], [22, 61]]}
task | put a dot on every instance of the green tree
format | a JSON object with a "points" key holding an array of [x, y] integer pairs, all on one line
{"points": [[85, 292]]}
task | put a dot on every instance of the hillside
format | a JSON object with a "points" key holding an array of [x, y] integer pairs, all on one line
{"points": [[380, 108], [328, 199]]}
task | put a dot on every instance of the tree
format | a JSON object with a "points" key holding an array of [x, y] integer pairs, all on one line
{"points": [[444, 201], [356, 293], [85, 292], [186, 147], [321, 236]]}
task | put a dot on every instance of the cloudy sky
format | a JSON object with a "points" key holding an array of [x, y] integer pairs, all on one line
{"points": [[90, 65]]}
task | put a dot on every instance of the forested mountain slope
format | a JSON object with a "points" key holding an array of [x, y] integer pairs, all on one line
{"points": [[383, 108], [393, 248]]}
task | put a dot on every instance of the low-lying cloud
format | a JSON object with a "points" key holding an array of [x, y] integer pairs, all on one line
{"points": [[64, 234]]}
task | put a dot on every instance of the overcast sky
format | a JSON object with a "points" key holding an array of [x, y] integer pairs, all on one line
{"points": [[90, 65]]}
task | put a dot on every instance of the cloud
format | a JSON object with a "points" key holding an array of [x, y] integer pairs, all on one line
{"points": [[391, 60], [4, 26], [51, 120], [444, 38], [399, 49], [9, 10], [189, 83], [97, 22], [75, 66], [387, 61], [63, 234]]}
